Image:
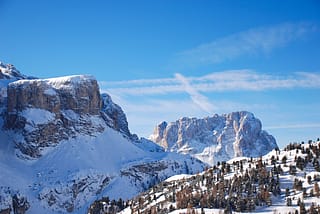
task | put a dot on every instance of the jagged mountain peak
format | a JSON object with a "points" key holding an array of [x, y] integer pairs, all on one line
{"points": [[215, 138], [8, 71]]}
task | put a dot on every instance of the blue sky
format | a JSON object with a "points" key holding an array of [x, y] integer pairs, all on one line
{"points": [[161, 60]]}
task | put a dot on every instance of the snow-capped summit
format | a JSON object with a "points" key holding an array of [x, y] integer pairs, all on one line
{"points": [[8, 71], [216, 138], [8, 74]]}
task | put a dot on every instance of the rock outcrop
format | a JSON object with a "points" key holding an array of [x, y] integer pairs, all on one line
{"points": [[78, 93], [216, 138], [12, 201], [114, 115], [47, 111]]}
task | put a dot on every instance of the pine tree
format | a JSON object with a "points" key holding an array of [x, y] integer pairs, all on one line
{"points": [[316, 189], [202, 210], [312, 209], [268, 199], [171, 208], [302, 208], [287, 192], [309, 179], [284, 160], [311, 193], [289, 201], [298, 202]]}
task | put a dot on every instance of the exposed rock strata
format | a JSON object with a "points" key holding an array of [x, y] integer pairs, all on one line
{"points": [[47, 111]]}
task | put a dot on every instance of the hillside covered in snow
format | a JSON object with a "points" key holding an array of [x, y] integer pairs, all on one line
{"points": [[64, 145], [67, 148], [282, 181]]}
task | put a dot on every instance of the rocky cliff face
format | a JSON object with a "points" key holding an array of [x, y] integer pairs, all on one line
{"points": [[78, 93], [80, 143], [216, 138], [45, 112], [114, 116], [48, 111]]}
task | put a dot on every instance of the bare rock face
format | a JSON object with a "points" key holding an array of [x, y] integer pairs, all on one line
{"points": [[50, 110], [79, 93], [12, 201], [114, 115], [217, 138]]}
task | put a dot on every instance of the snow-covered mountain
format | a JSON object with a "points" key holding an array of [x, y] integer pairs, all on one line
{"points": [[282, 181], [216, 138], [8, 73], [64, 145]]}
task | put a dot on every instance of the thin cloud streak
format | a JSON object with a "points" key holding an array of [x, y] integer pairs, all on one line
{"points": [[254, 41], [138, 82], [295, 126], [199, 99], [234, 80]]}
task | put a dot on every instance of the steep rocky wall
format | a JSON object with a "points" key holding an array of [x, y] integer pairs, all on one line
{"points": [[44, 112], [216, 138], [114, 115], [77, 93]]}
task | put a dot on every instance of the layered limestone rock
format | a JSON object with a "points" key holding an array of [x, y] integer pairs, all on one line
{"points": [[47, 111], [216, 138], [79, 93]]}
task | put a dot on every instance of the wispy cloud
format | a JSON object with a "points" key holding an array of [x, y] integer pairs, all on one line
{"points": [[145, 113], [199, 99], [151, 98], [295, 126], [233, 80], [149, 101], [253, 41]]}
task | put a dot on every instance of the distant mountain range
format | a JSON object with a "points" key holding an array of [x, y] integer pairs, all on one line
{"points": [[65, 145], [216, 138]]}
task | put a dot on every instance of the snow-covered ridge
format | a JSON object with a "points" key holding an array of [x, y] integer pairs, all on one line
{"points": [[8, 74], [57, 82], [8, 71]]}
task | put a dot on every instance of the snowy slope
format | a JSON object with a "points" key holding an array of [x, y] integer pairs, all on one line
{"points": [[288, 181], [76, 147], [77, 171]]}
